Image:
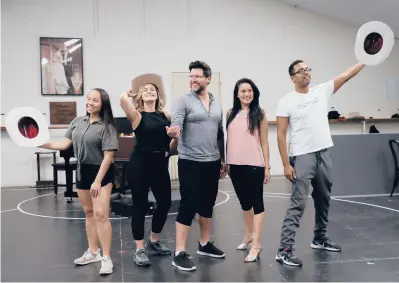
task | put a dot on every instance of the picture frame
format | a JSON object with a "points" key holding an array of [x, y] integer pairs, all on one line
{"points": [[62, 112], [61, 66]]}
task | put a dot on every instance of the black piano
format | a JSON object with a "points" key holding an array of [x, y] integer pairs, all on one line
{"points": [[69, 167], [121, 160], [121, 199]]}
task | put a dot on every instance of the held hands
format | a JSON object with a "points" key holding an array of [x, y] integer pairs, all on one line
{"points": [[223, 170], [95, 189], [173, 132], [289, 173]]}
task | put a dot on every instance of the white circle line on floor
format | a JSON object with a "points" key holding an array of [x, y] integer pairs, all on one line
{"points": [[356, 202], [174, 213], [365, 203], [83, 218], [8, 210]]}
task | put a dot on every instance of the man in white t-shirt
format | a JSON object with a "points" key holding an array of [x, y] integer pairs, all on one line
{"points": [[304, 114]]}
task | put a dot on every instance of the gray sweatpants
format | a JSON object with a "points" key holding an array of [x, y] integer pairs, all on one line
{"points": [[312, 169]]}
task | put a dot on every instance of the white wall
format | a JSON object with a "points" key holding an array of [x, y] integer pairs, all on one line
{"points": [[124, 38]]}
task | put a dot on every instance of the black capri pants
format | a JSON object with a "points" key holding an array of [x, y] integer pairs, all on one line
{"points": [[248, 185], [149, 170], [199, 182]]}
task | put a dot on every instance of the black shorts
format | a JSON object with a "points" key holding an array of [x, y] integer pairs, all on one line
{"points": [[88, 173], [199, 182]]}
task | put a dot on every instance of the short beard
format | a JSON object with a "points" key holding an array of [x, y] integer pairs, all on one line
{"points": [[200, 89]]}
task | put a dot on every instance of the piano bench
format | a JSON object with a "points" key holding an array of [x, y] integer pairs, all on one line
{"points": [[63, 166]]}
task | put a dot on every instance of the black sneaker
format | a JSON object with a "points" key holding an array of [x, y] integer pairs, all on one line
{"points": [[288, 257], [157, 248], [141, 258], [183, 262], [210, 250], [325, 245]]}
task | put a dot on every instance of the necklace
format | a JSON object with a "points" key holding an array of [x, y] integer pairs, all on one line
{"points": [[243, 112]]}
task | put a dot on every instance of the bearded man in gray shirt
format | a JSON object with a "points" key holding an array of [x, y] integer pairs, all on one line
{"points": [[197, 123]]}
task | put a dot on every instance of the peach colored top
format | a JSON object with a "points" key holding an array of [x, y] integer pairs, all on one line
{"points": [[243, 148]]}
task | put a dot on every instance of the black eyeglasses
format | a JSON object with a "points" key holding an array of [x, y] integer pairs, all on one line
{"points": [[302, 71]]}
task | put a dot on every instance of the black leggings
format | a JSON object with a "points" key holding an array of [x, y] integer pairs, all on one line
{"points": [[248, 184], [199, 182], [145, 171]]}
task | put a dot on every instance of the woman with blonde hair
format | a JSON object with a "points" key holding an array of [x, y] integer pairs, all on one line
{"points": [[148, 165]]}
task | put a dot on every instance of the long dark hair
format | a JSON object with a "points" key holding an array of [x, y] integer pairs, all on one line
{"points": [[106, 110], [255, 115]]}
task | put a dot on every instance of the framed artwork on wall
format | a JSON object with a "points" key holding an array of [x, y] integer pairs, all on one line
{"points": [[61, 66]]}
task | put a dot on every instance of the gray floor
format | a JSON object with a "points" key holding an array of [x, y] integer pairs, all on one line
{"points": [[41, 235]]}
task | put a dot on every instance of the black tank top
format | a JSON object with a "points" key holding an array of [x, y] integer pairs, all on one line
{"points": [[151, 133]]}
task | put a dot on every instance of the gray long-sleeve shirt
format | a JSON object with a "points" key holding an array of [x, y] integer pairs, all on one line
{"points": [[200, 130]]}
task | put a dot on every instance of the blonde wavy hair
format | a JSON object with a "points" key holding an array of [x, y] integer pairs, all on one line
{"points": [[138, 100]]}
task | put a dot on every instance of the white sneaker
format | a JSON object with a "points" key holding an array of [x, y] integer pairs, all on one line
{"points": [[106, 265], [88, 257]]}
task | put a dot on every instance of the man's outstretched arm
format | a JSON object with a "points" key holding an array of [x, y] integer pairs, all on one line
{"points": [[349, 73]]}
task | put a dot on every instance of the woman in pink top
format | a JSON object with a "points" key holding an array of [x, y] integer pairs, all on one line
{"points": [[248, 160]]}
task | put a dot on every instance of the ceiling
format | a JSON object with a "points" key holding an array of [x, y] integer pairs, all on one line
{"points": [[354, 12]]}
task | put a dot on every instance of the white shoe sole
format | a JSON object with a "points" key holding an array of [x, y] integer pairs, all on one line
{"points": [[88, 262], [106, 272], [317, 247], [281, 260], [183, 268], [210, 255]]}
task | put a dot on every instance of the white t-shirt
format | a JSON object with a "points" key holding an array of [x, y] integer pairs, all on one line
{"points": [[308, 127]]}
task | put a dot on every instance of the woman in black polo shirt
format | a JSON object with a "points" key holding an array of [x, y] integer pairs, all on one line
{"points": [[94, 140]]}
